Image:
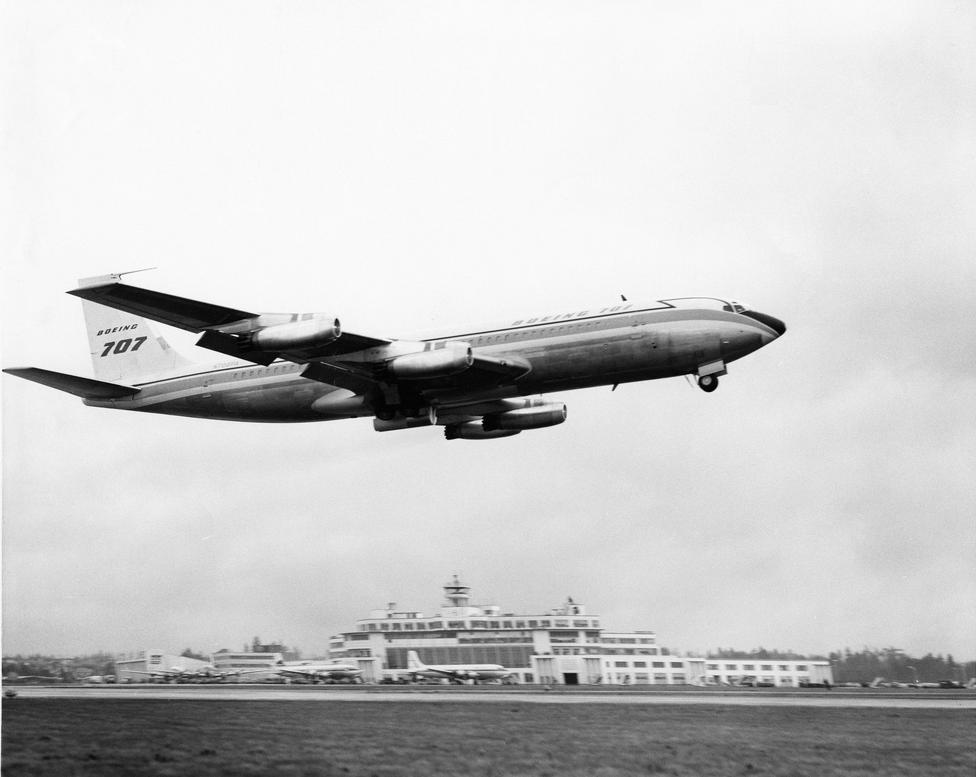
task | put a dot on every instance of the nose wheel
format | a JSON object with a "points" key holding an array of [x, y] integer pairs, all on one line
{"points": [[708, 383]]}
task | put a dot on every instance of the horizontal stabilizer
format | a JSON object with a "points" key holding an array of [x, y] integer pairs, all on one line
{"points": [[86, 388]]}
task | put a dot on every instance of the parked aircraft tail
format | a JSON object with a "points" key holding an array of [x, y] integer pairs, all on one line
{"points": [[414, 663], [124, 346]]}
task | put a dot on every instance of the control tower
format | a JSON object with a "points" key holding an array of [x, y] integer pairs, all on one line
{"points": [[458, 595]]}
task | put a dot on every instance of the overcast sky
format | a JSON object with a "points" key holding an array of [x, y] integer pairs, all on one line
{"points": [[410, 165]]}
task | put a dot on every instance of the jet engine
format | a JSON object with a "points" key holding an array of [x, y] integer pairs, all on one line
{"points": [[526, 418], [473, 430], [440, 363], [310, 333]]}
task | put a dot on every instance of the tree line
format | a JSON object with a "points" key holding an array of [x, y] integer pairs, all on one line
{"points": [[64, 669], [897, 666]]}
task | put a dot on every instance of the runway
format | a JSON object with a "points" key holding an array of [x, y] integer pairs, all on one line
{"points": [[867, 698]]}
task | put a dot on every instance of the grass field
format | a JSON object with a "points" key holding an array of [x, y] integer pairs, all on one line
{"points": [[326, 738]]}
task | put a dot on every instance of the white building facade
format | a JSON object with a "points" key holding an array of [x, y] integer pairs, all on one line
{"points": [[565, 646], [247, 663]]}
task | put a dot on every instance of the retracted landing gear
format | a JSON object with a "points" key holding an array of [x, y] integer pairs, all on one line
{"points": [[708, 383]]}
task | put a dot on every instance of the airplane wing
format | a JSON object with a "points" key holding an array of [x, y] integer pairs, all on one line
{"points": [[297, 672], [180, 312], [213, 321], [263, 670], [434, 670], [484, 371], [310, 339]]}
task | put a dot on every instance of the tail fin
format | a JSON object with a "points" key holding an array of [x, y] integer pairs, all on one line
{"points": [[125, 347], [413, 661]]}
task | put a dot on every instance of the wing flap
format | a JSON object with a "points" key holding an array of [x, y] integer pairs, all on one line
{"points": [[336, 375], [86, 388]]}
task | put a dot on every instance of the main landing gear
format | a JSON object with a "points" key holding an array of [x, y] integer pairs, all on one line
{"points": [[708, 383]]}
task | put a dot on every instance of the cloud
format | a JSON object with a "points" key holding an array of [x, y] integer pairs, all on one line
{"points": [[406, 172]]}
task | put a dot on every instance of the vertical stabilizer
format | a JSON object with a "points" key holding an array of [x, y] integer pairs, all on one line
{"points": [[413, 661], [125, 347]]}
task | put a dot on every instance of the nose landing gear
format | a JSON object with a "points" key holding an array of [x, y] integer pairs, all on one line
{"points": [[708, 375], [708, 383]]}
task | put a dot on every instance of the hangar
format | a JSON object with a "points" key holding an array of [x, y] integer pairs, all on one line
{"points": [[148, 665], [563, 646]]}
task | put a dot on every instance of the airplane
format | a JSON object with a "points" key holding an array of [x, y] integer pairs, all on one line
{"points": [[98, 679], [178, 674], [455, 672], [477, 382], [307, 670], [22, 677]]}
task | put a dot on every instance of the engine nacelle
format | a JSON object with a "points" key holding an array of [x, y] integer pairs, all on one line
{"points": [[395, 424], [440, 363], [473, 430], [526, 418], [310, 333]]}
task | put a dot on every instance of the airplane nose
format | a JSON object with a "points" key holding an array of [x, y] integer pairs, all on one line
{"points": [[772, 322]]}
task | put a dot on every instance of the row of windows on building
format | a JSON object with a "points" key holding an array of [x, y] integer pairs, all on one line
{"points": [[540, 623], [752, 667], [643, 664], [604, 651], [628, 640], [644, 678]]}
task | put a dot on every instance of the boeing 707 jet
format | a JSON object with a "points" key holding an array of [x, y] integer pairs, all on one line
{"points": [[477, 382]]}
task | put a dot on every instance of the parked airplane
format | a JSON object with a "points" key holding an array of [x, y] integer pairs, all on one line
{"points": [[455, 672], [307, 670], [478, 382], [179, 675], [14, 677], [99, 679]]}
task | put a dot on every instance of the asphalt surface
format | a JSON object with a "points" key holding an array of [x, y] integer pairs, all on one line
{"points": [[854, 697]]}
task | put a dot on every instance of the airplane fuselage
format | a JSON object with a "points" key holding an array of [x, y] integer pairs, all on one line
{"points": [[580, 349], [464, 671]]}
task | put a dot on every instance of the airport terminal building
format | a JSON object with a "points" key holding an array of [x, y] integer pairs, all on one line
{"points": [[563, 646]]}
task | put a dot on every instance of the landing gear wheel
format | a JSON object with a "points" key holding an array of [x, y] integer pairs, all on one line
{"points": [[708, 383]]}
